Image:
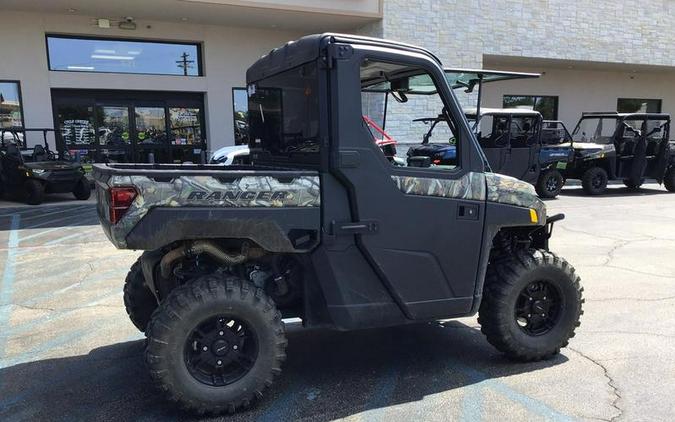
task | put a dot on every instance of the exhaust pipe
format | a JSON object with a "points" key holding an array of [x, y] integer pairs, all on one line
{"points": [[210, 248]]}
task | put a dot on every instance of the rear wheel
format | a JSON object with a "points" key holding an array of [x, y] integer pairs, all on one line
{"points": [[139, 301], [669, 179], [215, 344], [531, 304], [550, 183], [594, 181], [34, 191], [82, 189]]}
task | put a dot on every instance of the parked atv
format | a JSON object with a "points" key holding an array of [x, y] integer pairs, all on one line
{"points": [[324, 227], [622, 146], [516, 143], [30, 173]]}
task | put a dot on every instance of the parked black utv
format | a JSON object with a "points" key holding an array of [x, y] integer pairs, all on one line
{"points": [[324, 227], [623, 146], [30, 173], [516, 142]]}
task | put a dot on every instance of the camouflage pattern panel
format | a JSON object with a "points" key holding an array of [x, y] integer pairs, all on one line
{"points": [[469, 186], [511, 191], [186, 191]]}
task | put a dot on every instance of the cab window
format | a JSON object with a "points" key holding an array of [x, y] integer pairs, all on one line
{"points": [[409, 116]]}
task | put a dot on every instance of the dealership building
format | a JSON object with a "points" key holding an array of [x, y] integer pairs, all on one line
{"points": [[164, 80]]}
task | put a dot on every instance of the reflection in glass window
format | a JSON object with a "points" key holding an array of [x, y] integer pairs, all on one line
{"points": [[240, 108], [123, 56], [546, 105], [150, 125], [76, 124], [638, 105], [113, 126], [284, 113], [10, 105], [185, 126]]}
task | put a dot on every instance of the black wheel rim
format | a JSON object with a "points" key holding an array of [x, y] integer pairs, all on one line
{"points": [[220, 351], [597, 181], [538, 308], [552, 184]]}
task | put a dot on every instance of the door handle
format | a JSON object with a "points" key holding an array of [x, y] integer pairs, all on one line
{"points": [[466, 211]]}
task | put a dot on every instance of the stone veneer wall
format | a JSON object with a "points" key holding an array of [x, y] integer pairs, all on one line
{"points": [[460, 32]]}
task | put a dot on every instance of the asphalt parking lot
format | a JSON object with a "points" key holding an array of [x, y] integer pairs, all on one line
{"points": [[68, 351]]}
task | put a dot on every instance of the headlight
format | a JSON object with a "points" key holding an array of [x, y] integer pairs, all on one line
{"points": [[37, 171]]}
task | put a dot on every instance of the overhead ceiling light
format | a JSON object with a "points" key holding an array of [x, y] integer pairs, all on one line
{"points": [[104, 51], [72, 10], [109, 57], [134, 53], [184, 19], [81, 67]]}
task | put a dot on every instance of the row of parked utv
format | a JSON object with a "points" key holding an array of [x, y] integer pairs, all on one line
{"points": [[628, 147]]}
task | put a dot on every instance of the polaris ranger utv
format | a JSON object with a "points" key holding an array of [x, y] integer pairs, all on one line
{"points": [[514, 143], [624, 146], [30, 173], [322, 226]]}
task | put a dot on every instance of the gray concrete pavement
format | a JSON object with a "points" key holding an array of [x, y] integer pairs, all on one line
{"points": [[68, 351]]}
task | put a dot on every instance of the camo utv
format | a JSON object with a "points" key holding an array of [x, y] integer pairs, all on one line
{"points": [[322, 226]]}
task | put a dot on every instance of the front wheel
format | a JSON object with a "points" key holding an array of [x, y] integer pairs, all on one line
{"points": [[82, 189], [594, 181], [669, 179], [531, 304], [215, 344], [34, 191], [550, 183]]}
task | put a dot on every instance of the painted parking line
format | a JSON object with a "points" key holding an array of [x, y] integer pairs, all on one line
{"points": [[473, 400], [8, 276], [57, 211]]}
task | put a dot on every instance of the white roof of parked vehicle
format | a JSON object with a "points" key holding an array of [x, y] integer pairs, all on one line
{"points": [[514, 111]]}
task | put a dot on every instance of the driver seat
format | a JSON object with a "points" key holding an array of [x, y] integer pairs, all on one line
{"points": [[39, 153]]}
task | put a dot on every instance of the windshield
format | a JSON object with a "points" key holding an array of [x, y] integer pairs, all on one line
{"points": [[596, 130]]}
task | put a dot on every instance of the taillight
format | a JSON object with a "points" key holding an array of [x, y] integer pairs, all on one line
{"points": [[121, 199]]}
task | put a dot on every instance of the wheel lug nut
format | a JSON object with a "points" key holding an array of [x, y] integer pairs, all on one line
{"points": [[220, 362], [531, 299], [221, 332], [529, 315], [543, 315], [205, 348], [235, 347], [544, 297]]}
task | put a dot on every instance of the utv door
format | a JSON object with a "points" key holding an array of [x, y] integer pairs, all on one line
{"points": [[494, 140], [522, 160], [422, 240]]}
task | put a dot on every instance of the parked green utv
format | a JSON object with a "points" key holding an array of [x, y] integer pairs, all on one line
{"points": [[30, 173], [622, 146]]}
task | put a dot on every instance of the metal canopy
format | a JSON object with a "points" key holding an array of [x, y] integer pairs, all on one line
{"points": [[470, 78]]}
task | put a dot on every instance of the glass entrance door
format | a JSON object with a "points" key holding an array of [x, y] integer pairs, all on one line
{"points": [[114, 138], [150, 137]]}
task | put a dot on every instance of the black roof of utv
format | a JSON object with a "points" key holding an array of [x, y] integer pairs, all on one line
{"points": [[308, 48]]}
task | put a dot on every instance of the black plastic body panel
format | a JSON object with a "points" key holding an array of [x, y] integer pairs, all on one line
{"points": [[271, 228]]}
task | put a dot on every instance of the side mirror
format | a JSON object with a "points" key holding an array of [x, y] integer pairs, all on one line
{"points": [[419, 161]]}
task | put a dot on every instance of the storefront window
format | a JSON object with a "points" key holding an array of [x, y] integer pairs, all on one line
{"points": [[546, 105], [123, 56], [185, 126], [240, 107], [638, 105], [10, 105], [76, 124], [150, 125], [113, 126]]}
